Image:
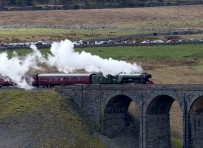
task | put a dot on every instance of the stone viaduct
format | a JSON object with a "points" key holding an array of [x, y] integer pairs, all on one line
{"points": [[107, 106]]}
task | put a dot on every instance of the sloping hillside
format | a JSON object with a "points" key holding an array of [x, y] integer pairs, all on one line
{"points": [[42, 119]]}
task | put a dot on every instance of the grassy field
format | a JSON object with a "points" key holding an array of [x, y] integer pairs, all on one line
{"points": [[50, 34], [160, 17], [97, 23], [187, 52], [150, 53]]}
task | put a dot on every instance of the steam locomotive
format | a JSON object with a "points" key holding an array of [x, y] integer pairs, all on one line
{"points": [[51, 80]]}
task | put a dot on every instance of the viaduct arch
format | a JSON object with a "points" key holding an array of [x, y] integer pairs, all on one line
{"points": [[107, 106]]}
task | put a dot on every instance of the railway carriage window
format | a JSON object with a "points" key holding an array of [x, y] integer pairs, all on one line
{"points": [[61, 79]]}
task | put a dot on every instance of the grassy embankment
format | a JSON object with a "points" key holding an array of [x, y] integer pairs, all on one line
{"points": [[17, 104]]}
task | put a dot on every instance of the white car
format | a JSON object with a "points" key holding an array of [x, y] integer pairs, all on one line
{"points": [[145, 42], [157, 41], [194, 40], [100, 42], [80, 42]]}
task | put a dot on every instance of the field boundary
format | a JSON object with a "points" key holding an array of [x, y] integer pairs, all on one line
{"points": [[98, 6]]}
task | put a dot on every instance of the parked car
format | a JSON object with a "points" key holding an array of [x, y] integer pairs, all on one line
{"points": [[194, 40], [171, 41], [80, 42], [100, 42], [157, 41], [145, 42]]}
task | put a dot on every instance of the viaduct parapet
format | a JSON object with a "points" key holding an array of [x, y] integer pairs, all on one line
{"points": [[107, 106]]}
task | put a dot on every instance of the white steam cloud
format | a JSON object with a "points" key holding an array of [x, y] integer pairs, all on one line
{"points": [[65, 59], [16, 67]]}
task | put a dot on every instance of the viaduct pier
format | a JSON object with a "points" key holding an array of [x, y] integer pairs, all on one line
{"points": [[107, 106]]}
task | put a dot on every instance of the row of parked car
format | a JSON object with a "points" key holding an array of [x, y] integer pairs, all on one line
{"points": [[193, 40], [25, 44], [95, 42], [110, 42]]}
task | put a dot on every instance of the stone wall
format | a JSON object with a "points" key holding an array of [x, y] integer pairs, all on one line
{"points": [[157, 129], [113, 124], [99, 5], [196, 134], [154, 126]]}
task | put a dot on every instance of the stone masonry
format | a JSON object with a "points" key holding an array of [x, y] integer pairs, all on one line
{"points": [[107, 107]]}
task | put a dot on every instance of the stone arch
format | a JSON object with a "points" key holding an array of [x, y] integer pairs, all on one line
{"points": [[157, 121], [196, 123], [197, 107], [160, 105], [118, 104], [116, 117]]}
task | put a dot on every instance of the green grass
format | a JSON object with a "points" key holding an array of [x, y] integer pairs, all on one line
{"points": [[30, 32], [176, 143], [35, 34], [23, 52], [14, 103], [141, 53], [162, 52]]}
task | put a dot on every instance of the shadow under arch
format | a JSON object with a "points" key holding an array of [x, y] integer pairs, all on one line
{"points": [[157, 122], [160, 105], [115, 116], [196, 123], [118, 104]]}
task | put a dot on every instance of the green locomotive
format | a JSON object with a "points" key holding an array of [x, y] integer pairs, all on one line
{"points": [[142, 78]]}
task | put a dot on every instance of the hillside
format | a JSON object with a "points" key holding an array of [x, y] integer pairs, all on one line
{"points": [[42, 119]]}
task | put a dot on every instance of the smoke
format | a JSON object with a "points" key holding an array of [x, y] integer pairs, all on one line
{"points": [[65, 59], [16, 67]]}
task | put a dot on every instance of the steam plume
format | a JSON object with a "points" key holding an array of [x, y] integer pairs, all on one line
{"points": [[65, 59]]}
